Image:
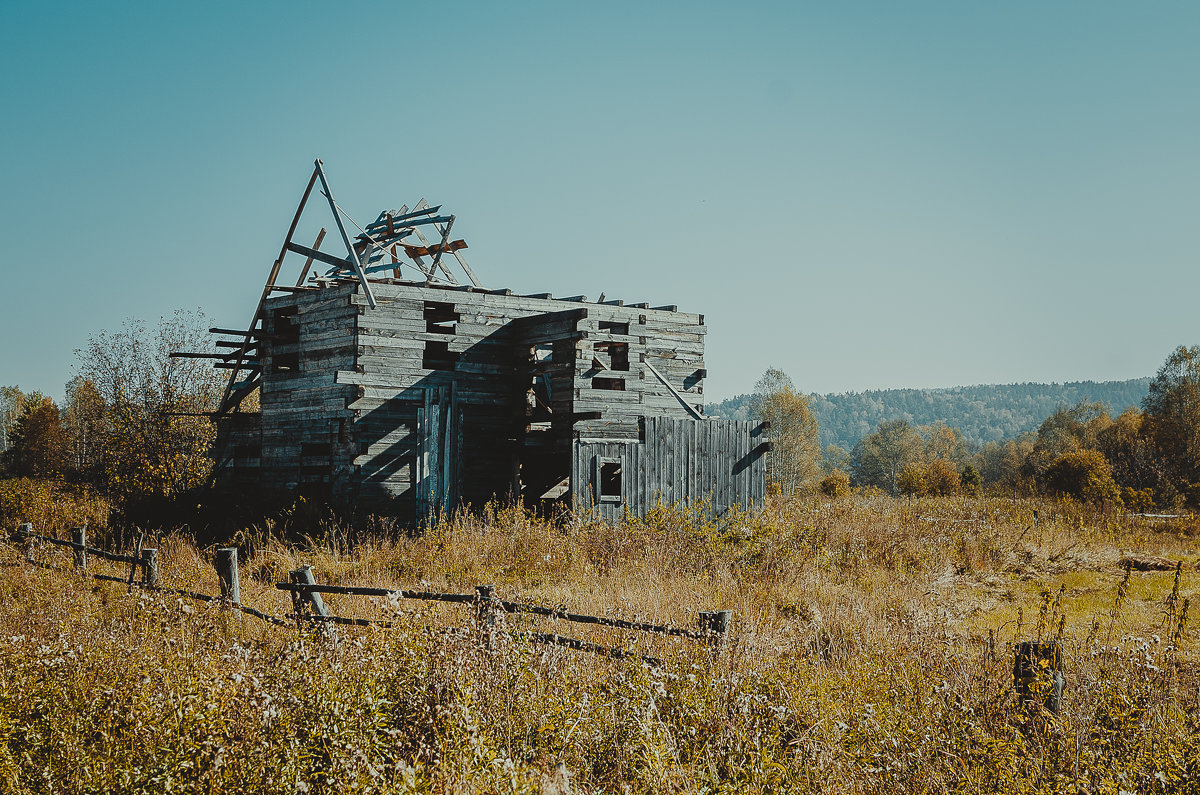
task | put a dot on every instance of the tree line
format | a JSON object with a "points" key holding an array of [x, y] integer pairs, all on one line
{"points": [[1144, 457], [135, 423], [982, 413]]}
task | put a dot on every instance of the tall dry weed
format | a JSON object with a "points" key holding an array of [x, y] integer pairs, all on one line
{"points": [[871, 652]]}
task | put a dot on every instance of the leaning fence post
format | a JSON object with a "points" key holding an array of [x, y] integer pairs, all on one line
{"points": [[150, 568], [485, 613], [715, 624], [304, 576], [79, 539], [1038, 674], [25, 533], [227, 573]]}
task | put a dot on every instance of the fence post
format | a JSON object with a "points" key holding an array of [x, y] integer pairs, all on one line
{"points": [[715, 624], [1038, 674], [304, 576], [150, 568], [137, 558], [227, 573], [79, 538], [485, 614], [25, 533]]}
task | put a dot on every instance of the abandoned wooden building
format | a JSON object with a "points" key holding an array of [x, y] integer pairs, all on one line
{"points": [[410, 396]]}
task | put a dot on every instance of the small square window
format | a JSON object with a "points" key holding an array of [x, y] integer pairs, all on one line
{"points": [[610, 481], [288, 363], [438, 356], [618, 354], [440, 317]]}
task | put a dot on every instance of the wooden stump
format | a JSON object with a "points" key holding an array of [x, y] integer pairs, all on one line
{"points": [[715, 624], [79, 539], [150, 568], [25, 535], [227, 572], [1038, 674], [485, 613]]}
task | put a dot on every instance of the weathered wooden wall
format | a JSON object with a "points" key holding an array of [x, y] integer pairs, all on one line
{"points": [[306, 436], [719, 462], [441, 395]]}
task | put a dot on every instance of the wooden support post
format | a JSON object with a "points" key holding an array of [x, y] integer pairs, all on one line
{"points": [[715, 623], [79, 539], [352, 254], [25, 534], [150, 568], [485, 613], [1038, 674], [227, 573]]}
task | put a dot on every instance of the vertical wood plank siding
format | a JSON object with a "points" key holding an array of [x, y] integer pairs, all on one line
{"points": [[720, 462]]}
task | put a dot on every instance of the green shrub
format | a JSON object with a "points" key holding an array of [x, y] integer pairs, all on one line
{"points": [[1084, 475], [836, 484]]}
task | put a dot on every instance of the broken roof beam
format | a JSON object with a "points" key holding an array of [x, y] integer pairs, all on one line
{"points": [[462, 262], [308, 262], [229, 400], [321, 256], [437, 258], [391, 218], [337, 217], [433, 269]]}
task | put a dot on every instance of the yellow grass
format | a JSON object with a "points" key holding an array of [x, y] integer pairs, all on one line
{"points": [[871, 651]]}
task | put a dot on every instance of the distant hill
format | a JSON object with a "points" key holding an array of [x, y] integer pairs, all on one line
{"points": [[983, 413]]}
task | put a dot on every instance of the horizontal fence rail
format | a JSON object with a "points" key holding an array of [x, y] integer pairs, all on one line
{"points": [[387, 593], [713, 624], [507, 607], [100, 553], [308, 606]]}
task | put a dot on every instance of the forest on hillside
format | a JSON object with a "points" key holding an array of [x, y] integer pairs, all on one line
{"points": [[987, 413]]}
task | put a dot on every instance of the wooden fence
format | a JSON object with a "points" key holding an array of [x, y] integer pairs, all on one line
{"points": [[308, 606]]}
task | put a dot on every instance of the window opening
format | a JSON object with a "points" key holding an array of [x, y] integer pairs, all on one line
{"points": [[618, 354], [284, 331], [440, 317], [247, 451], [285, 363], [308, 449], [438, 356], [610, 481], [615, 384]]}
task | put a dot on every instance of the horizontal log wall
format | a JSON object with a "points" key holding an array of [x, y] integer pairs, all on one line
{"points": [[345, 387], [305, 424]]}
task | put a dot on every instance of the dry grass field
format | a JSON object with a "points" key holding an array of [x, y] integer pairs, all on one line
{"points": [[871, 650]]}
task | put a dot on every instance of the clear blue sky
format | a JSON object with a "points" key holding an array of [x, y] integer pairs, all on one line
{"points": [[866, 195]]}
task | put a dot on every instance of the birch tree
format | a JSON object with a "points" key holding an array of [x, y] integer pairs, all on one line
{"points": [[795, 453]]}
